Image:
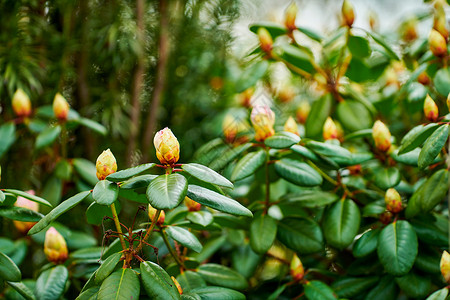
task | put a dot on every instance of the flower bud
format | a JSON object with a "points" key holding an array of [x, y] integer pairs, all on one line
{"points": [[291, 126], [55, 247], [21, 226], [303, 111], [265, 40], [297, 271], [60, 107], [448, 101], [286, 93], [438, 45], [106, 164], [430, 109], [445, 266], [440, 22], [409, 30], [355, 170], [152, 214], [423, 78], [291, 14], [167, 146], [386, 217], [373, 21], [191, 204], [381, 136], [347, 13], [330, 131], [180, 290], [263, 119], [21, 104], [232, 127], [393, 201], [246, 96]]}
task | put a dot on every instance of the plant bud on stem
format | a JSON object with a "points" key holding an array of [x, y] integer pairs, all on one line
{"points": [[291, 126], [393, 201], [167, 146], [297, 271], [438, 45], [445, 266], [21, 104], [106, 164], [263, 119], [291, 14], [55, 247], [381, 136], [348, 13], [191, 204], [430, 109], [60, 107], [152, 213], [303, 111], [330, 131], [265, 40]]}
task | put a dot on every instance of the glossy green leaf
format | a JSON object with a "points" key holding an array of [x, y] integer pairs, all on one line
{"points": [[97, 127], [20, 214], [245, 260], [305, 152], [228, 156], [296, 57], [206, 174], [442, 81], [275, 29], [341, 223], [354, 116], [217, 201], [433, 146], [96, 212], [301, 235], [439, 294], [281, 140], [86, 169], [57, 211], [7, 136], [123, 175], [380, 41], [89, 294], [310, 33], [428, 232], [122, 284], [28, 196], [217, 292], [263, 231], [297, 172], [414, 286], [311, 198], [8, 269], [107, 267], [318, 290], [349, 287], [397, 248], [203, 218], [2, 197], [190, 280], [137, 182], [358, 46], [222, 276], [23, 290], [415, 137], [51, 283], [105, 192], [359, 134], [47, 137], [157, 283], [385, 178], [250, 76], [167, 191], [184, 237], [338, 154], [320, 111], [367, 243], [248, 165], [386, 289]]}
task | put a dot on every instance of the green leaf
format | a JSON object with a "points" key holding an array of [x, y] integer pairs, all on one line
{"points": [[167, 191], [359, 134], [137, 182], [318, 290], [51, 283], [341, 223], [22, 289], [7, 136], [184, 237], [8, 269], [217, 201], [57, 211], [130, 172], [263, 231], [275, 29], [203, 218], [157, 283], [336, 153], [89, 294], [311, 34], [20, 214], [416, 136], [282, 140], [297, 172], [439, 294], [433, 146], [380, 41], [248, 165], [96, 212], [428, 232], [358, 46], [442, 81], [228, 156], [301, 235], [397, 248], [305, 152], [206, 174], [97, 127], [28, 196], [122, 284], [385, 178], [320, 111], [414, 286], [86, 169], [311, 198], [386, 289], [354, 116], [107, 267], [216, 292], [105, 192], [367, 243], [2, 197], [47, 137], [245, 260], [190, 280], [222, 276], [298, 57], [353, 286], [251, 75]]}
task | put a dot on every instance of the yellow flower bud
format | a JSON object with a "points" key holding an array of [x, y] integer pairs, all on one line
{"points": [[263, 119], [167, 146], [286, 93], [440, 21], [445, 266], [21, 226], [430, 109], [291, 14], [191, 204], [409, 30], [180, 290], [21, 104], [448, 101], [245, 97], [55, 247], [303, 111], [297, 271], [382, 136], [347, 13], [232, 127], [291, 126], [330, 131], [424, 78], [106, 164], [60, 107], [438, 45], [265, 40], [393, 201], [152, 214], [373, 21]]}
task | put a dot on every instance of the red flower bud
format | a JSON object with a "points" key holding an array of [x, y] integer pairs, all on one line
{"points": [[393, 201]]}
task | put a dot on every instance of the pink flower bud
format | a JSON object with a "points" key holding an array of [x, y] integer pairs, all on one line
{"points": [[167, 146], [303, 111], [265, 40], [291, 14], [445, 266], [106, 164], [347, 13], [330, 131], [382, 136], [21, 104], [291, 126], [430, 109], [393, 201], [21, 226], [191, 204], [297, 271], [438, 45], [55, 247], [60, 107], [152, 213], [263, 119]]}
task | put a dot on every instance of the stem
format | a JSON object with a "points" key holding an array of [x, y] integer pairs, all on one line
{"points": [[118, 227], [267, 204], [149, 231], [324, 175], [174, 254]]}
